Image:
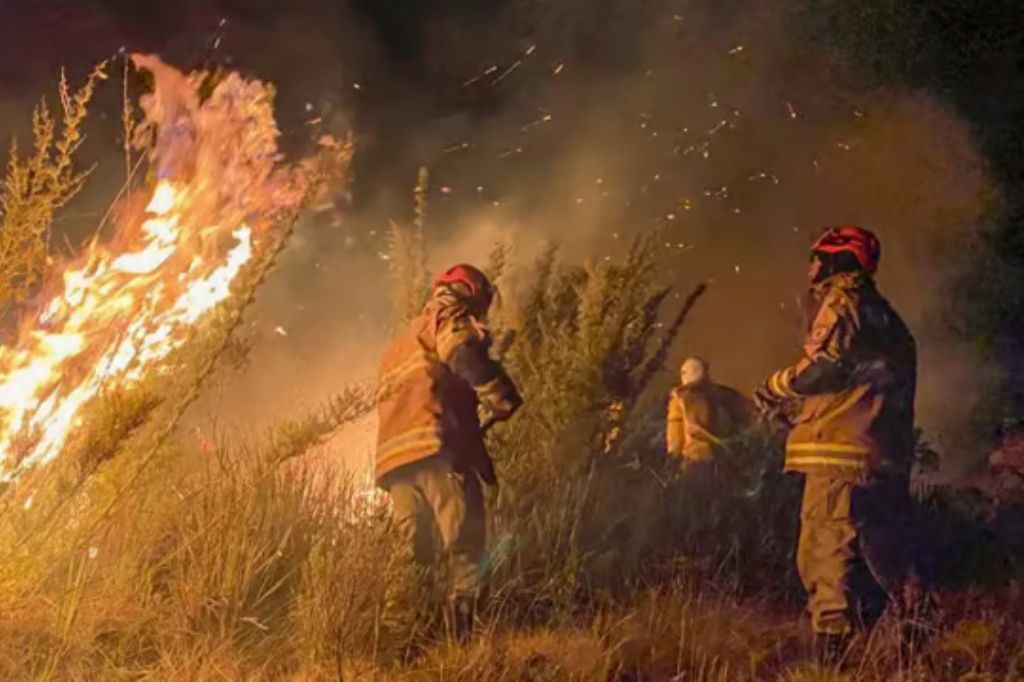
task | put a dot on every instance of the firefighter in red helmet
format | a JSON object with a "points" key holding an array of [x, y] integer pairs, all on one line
{"points": [[439, 391], [852, 437]]}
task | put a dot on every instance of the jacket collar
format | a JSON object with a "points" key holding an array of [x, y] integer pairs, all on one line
{"points": [[844, 281]]}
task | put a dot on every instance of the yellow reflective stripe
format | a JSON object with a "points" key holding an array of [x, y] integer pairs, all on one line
{"points": [[826, 454], [779, 383], [806, 460], [846, 448]]}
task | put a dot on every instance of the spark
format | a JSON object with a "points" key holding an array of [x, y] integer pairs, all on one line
{"points": [[507, 72], [546, 118], [764, 175]]}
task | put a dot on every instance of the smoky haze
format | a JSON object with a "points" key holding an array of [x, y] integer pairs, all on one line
{"points": [[584, 123]]}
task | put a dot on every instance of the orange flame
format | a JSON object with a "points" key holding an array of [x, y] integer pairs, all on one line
{"points": [[123, 307]]}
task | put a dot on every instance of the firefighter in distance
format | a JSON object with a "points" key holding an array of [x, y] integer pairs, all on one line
{"points": [[704, 417]]}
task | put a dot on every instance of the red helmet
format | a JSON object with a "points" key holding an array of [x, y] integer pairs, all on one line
{"points": [[863, 244], [476, 282]]}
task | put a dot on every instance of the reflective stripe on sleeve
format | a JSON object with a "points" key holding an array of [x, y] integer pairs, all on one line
{"points": [[780, 383]]}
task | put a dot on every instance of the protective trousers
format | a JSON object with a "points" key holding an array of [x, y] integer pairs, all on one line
{"points": [[856, 549], [430, 497]]}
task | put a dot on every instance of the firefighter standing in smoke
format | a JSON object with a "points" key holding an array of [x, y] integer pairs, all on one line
{"points": [[852, 438], [440, 391], [702, 415]]}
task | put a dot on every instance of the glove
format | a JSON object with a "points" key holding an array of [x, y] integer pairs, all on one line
{"points": [[771, 404]]}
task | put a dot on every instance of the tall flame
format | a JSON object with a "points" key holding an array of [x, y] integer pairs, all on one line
{"points": [[119, 310]]}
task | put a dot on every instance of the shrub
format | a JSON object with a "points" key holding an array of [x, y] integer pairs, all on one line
{"points": [[38, 185]]}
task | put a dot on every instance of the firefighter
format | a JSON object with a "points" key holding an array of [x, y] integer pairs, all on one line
{"points": [[703, 416], [440, 390], [852, 437]]}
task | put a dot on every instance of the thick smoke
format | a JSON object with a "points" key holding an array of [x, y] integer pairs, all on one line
{"points": [[720, 124]]}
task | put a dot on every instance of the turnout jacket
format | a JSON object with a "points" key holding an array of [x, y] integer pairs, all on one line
{"points": [[702, 418], [435, 381], [855, 384]]}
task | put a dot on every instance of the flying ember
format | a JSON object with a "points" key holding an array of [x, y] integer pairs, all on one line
{"points": [[117, 312]]}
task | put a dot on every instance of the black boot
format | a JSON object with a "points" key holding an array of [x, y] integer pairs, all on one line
{"points": [[829, 649]]}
